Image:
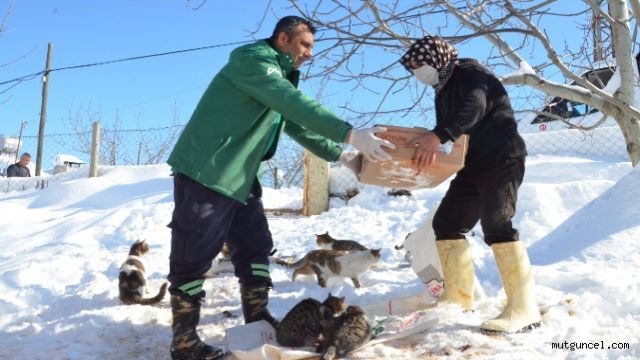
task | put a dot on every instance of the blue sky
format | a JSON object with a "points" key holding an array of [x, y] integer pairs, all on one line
{"points": [[142, 93]]}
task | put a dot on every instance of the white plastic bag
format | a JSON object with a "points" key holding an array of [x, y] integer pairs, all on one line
{"points": [[257, 341], [425, 261], [421, 246]]}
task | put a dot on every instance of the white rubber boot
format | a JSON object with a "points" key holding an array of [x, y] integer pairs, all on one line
{"points": [[521, 312], [457, 268]]}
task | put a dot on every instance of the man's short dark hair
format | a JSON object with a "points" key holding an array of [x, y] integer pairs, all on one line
{"points": [[288, 25], [26, 154]]}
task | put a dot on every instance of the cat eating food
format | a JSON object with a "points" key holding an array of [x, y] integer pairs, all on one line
{"points": [[132, 283], [307, 322], [348, 333]]}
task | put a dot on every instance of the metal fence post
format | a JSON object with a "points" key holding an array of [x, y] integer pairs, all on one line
{"points": [[95, 150], [316, 185]]}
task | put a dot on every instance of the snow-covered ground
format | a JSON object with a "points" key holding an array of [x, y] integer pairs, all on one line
{"points": [[63, 247]]}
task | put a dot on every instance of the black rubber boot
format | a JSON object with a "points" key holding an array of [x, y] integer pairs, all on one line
{"points": [[186, 344], [255, 298]]}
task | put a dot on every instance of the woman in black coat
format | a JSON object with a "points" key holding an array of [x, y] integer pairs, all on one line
{"points": [[469, 99]]}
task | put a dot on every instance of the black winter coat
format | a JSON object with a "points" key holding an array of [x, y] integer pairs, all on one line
{"points": [[17, 170], [474, 102]]}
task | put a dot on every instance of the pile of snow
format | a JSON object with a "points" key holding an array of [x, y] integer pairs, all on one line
{"points": [[63, 247]]}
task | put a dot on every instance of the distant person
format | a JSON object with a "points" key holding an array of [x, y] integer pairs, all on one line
{"points": [[235, 126], [469, 99], [20, 168]]}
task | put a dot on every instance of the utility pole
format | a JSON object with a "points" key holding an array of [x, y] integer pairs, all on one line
{"points": [[22, 126], [43, 110]]}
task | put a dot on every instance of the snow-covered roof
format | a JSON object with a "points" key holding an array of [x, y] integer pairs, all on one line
{"points": [[61, 159]]}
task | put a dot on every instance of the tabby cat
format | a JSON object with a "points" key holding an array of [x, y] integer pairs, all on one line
{"points": [[132, 283], [325, 241], [327, 263], [308, 321], [348, 332]]}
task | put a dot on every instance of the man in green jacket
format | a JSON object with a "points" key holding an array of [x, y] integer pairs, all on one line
{"points": [[235, 126]]}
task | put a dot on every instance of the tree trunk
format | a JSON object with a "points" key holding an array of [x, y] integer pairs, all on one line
{"points": [[622, 41]]}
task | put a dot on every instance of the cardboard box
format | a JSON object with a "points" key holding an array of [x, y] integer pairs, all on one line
{"points": [[399, 172]]}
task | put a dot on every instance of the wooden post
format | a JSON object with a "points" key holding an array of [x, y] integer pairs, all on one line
{"points": [[139, 151], [95, 150], [43, 110], [316, 185], [113, 152]]}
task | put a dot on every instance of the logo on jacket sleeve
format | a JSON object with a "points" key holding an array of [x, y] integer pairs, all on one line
{"points": [[272, 70]]}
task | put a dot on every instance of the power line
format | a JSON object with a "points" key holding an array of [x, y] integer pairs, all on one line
{"points": [[19, 80], [34, 75]]}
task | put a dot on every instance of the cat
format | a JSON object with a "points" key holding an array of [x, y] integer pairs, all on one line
{"points": [[325, 241], [132, 283], [308, 322], [348, 332], [327, 263], [225, 254]]}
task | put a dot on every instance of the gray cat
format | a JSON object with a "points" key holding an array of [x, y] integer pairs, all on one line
{"points": [[307, 322], [348, 333], [132, 283]]}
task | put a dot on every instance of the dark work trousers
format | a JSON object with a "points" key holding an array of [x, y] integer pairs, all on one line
{"points": [[202, 221], [489, 194]]}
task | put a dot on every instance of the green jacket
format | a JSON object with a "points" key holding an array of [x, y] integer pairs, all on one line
{"points": [[237, 123]]}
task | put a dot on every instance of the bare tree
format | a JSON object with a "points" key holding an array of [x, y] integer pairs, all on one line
{"points": [[80, 121], [119, 146], [361, 41], [154, 145], [3, 26], [5, 18]]}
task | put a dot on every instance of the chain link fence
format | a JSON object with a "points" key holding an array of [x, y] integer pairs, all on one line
{"points": [[67, 156], [286, 168], [603, 142]]}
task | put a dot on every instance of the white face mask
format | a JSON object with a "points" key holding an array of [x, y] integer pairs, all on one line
{"points": [[426, 74]]}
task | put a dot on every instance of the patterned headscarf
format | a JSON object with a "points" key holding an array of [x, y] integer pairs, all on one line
{"points": [[430, 50], [435, 52]]}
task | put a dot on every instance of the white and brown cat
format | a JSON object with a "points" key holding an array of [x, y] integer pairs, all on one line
{"points": [[132, 282], [332, 263]]}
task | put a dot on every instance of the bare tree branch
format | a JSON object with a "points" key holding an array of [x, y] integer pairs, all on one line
{"points": [[5, 19], [494, 39], [264, 16], [553, 56]]}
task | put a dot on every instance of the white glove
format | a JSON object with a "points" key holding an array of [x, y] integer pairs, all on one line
{"points": [[352, 160], [365, 141]]}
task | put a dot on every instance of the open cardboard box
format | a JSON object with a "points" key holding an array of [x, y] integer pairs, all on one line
{"points": [[399, 172]]}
